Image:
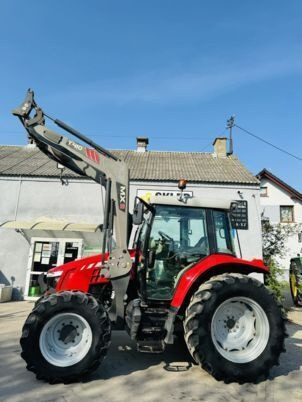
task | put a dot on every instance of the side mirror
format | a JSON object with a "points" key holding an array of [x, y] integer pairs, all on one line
{"points": [[233, 206], [151, 258], [138, 213], [222, 233]]}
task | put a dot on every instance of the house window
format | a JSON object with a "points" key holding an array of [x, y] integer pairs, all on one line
{"points": [[47, 253], [300, 237], [263, 192], [286, 214]]}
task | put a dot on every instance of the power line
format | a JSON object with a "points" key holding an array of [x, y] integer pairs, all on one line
{"points": [[269, 143], [207, 146], [128, 136]]}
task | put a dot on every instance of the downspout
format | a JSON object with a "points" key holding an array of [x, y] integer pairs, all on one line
{"points": [[18, 198], [16, 212]]}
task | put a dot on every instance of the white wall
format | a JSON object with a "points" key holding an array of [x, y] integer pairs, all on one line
{"points": [[270, 207]]}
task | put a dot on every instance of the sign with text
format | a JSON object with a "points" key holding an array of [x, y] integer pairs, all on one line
{"points": [[239, 215], [145, 194]]}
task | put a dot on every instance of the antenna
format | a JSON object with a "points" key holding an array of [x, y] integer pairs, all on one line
{"points": [[230, 124]]}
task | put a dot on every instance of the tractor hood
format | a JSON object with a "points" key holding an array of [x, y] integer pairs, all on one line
{"points": [[80, 274], [58, 271]]}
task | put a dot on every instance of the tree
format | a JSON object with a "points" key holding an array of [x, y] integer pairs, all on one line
{"points": [[274, 238]]}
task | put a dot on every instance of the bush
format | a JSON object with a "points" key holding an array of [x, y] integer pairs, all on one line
{"points": [[274, 238], [274, 282]]}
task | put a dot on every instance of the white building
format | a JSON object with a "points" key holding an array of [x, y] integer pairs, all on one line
{"points": [[44, 223], [281, 203]]}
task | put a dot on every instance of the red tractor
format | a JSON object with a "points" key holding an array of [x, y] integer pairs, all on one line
{"points": [[181, 278]]}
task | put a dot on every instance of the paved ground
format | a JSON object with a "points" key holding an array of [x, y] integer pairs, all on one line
{"points": [[128, 375]]}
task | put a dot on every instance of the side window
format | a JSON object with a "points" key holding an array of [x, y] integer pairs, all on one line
{"points": [[196, 231], [142, 236], [263, 192], [223, 239], [286, 214]]}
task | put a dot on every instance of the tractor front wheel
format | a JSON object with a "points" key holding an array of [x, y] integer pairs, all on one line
{"points": [[65, 337], [234, 328]]}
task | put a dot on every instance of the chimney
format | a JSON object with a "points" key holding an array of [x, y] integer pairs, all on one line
{"points": [[220, 147], [141, 144]]}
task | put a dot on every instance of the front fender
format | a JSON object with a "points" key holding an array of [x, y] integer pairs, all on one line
{"points": [[214, 264]]}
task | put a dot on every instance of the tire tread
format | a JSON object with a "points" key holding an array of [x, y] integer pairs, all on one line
{"points": [[36, 315], [195, 334]]}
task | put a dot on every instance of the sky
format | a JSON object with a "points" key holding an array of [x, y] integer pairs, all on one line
{"points": [[171, 70]]}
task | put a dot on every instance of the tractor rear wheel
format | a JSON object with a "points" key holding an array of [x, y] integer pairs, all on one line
{"points": [[65, 337], [295, 282], [234, 328]]}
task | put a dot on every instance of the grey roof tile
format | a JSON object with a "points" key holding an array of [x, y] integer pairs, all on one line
{"points": [[197, 167]]}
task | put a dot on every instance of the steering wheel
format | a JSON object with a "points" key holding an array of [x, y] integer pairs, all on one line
{"points": [[200, 242], [165, 236]]}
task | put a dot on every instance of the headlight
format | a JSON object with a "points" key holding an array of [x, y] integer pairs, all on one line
{"points": [[54, 274]]}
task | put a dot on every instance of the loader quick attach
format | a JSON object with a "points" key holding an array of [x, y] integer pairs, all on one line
{"points": [[180, 279]]}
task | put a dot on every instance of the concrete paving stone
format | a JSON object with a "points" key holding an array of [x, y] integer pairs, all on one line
{"points": [[129, 375]]}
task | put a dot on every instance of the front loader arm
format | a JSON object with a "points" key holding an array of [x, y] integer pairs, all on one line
{"points": [[96, 163]]}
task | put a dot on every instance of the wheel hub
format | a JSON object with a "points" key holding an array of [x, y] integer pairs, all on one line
{"points": [[230, 323], [65, 339], [240, 329], [68, 333]]}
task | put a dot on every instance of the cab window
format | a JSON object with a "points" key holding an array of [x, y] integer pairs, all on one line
{"points": [[222, 232]]}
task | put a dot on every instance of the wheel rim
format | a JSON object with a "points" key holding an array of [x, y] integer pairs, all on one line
{"points": [[293, 285], [240, 329], [65, 339]]}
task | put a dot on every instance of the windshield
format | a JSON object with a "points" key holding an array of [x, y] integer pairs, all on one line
{"points": [[178, 238], [179, 230]]}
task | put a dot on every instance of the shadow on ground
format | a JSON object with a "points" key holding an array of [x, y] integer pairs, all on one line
{"points": [[127, 374]]}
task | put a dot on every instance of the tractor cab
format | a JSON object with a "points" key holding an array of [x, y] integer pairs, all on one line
{"points": [[174, 236]]}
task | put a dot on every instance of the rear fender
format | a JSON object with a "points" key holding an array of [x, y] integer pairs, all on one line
{"points": [[215, 264]]}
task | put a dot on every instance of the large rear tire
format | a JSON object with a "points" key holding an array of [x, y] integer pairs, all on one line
{"points": [[295, 284], [234, 328], [65, 337]]}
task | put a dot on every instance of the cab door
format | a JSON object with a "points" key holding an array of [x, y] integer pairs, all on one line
{"points": [[178, 238]]}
